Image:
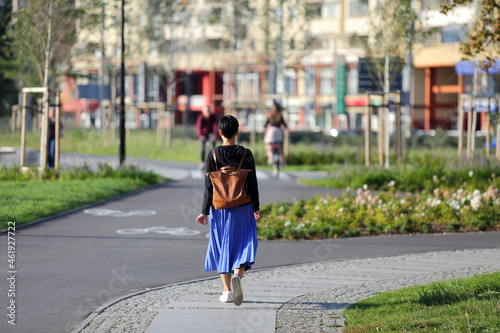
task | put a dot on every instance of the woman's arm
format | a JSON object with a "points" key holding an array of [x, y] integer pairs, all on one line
{"points": [[253, 186], [208, 193]]}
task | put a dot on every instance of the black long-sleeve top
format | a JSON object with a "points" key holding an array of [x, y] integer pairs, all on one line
{"points": [[231, 155]]}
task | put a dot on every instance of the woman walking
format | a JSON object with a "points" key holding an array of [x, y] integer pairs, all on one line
{"points": [[233, 231]]}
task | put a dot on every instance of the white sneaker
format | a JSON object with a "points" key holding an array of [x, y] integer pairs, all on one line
{"points": [[237, 292], [226, 297]]}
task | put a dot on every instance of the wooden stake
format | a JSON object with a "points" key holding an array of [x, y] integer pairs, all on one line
{"points": [[23, 131]]}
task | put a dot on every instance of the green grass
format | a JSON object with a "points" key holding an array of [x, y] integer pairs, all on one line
{"points": [[25, 201], [28, 196], [463, 305], [414, 179]]}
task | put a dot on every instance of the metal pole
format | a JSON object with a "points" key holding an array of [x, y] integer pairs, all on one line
{"points": [[122, 86], [171, 112], [488, 130], [469, 127], [45, 131], [498, 141], [57, 130], [460, 126], [101, 72]]}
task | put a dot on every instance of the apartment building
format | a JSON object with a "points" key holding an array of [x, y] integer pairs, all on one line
{"points": [[239, 59]]}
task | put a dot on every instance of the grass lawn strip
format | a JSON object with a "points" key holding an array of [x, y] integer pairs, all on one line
{"points": [[26, 201], [463, 305]]}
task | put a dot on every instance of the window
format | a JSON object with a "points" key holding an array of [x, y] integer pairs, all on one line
{"points": [[320, 43], [451, 35], [153, 47], [329, 10], [291, 81], [309, 81], [358, 8], [315, 10], [157, 26], [292, 10], [326, 81], [215, 16], [433, 4], [352, 81], [215, 44], [153, 88]]}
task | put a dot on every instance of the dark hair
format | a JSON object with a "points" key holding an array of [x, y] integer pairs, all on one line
{"points": [[228, 125], [275, 116]]}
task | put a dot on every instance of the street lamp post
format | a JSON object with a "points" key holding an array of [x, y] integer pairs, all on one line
{"points": [[122, 87]]}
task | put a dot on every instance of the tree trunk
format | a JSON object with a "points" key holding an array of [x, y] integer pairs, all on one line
{"points": [[45, 111]]}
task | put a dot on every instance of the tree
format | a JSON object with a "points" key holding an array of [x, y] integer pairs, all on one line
{"points": [[389, 39], [484, 37], [285, 27], [8, 90], [43, 33]]}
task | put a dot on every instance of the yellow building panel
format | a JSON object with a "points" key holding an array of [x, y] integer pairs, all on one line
{"points": [[443, 55]]}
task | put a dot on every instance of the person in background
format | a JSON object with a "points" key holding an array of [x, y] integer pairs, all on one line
{"points": [[206, 128], [233, 231], [274, 131], [52, 139]]}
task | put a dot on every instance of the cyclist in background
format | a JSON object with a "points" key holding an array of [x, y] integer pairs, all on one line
{"points": [[206, 128], [274, 131]]}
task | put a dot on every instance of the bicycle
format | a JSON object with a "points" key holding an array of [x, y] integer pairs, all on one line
{"points": [[276, 150]]}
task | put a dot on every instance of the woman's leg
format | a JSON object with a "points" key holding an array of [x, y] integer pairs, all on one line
{"points": [[226, 281], [269, 153]]}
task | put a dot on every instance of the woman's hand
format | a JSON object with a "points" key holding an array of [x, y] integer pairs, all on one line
{"points": [[256, 214], [202, 219]]}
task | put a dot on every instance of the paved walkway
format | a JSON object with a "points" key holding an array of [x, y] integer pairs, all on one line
{"points": [[301, 298]]}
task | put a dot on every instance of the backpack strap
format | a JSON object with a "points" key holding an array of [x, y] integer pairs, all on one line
{"points": [[243, 158], [215, 160], [239, 165]]}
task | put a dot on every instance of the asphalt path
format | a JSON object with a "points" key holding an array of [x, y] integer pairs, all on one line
{"points": [[71, 264]]}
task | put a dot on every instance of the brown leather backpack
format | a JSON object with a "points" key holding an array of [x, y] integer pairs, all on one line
{"points": [[229, 185]]}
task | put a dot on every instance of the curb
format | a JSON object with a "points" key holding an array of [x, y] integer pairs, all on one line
{"points": [[103, 307]]}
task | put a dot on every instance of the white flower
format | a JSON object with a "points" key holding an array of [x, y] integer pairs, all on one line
{"points": [[423, 214], [476, 193], [317, 207], [325, 202], [471, 173], [301, 226], [403, 201], [341, 209], [434, 178], [288, 223], [435, 202], [365, 187], [475, 202], [455, 205]]}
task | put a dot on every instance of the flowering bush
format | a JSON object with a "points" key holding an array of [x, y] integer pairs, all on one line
{"points": [[369, 213], [414, 178]]}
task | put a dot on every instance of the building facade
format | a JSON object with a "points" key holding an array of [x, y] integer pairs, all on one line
{"points": [[238, 57]]}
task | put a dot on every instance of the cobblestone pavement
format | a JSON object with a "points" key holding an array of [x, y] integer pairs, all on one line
{"points": [[300, 298]]}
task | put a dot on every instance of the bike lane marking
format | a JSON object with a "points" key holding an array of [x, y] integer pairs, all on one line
{"points": [[183, 231]]}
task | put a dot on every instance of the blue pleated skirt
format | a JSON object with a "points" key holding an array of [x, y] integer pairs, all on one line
{"points": [[233, 239]]}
